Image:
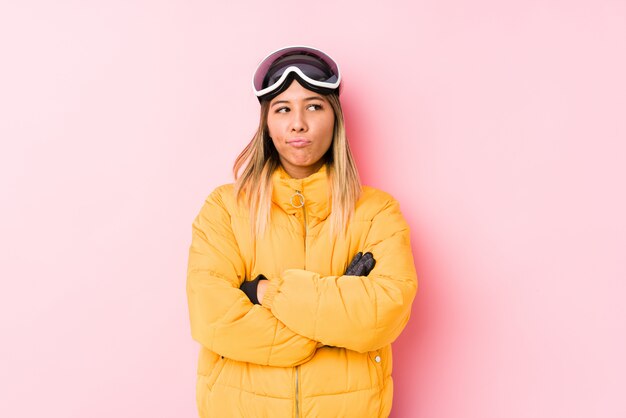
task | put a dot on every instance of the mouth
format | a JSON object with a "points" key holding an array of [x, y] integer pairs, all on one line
{"points": [[298, 142]]}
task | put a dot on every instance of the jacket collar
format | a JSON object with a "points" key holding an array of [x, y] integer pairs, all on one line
{"points": [[314, 189]]}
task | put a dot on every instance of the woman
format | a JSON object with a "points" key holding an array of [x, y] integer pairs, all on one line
{"points": [[294, 320]]}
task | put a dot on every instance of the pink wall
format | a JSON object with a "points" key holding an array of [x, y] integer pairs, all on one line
{"points": [[500, 127]]}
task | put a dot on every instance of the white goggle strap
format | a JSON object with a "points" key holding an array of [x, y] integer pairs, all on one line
{"points": [[294, 69]]}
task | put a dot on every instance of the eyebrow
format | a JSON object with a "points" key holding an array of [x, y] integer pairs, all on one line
{"points": [[306, 99]]}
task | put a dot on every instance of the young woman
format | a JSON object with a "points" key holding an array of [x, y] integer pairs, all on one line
{"points": [[299, 278]]}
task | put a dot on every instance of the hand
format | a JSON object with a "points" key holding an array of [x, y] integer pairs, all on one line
{"points": [[255, 289], [361, 265]]}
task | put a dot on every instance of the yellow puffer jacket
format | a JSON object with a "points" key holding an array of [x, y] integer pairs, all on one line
{"points": [[319, 345]]}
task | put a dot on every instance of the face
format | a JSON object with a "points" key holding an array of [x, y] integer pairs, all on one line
{"points": [[300, 123]]}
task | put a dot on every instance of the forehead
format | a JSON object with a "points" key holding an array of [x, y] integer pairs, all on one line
{"points": [[296, 92]]}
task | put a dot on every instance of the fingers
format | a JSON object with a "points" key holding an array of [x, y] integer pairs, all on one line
{"points": [[368, 263], [350, 271], [361, 265], [358, 269], [355, 260]]}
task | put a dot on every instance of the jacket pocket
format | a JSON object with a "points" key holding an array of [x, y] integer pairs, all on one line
{"points": [[210, 367], [376, 360], [215, 372], [205, 383]]}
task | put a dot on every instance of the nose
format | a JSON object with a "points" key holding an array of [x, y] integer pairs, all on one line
{"points": [[298, 121]]}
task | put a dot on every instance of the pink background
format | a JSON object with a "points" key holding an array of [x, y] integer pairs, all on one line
{"points": [[500, 127]]}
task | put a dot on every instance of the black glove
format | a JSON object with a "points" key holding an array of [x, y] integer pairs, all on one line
{"points": [[250, 288], [361, 265]]}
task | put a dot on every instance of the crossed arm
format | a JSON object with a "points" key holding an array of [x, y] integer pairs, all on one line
{"points": [[361, 265], [301, 310]]}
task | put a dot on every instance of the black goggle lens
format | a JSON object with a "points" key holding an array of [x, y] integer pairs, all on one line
{"points": [[312, 67]]}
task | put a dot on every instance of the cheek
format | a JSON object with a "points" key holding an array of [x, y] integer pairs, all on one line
{"points": [[329, 128], [273, 127], [277, 143]]}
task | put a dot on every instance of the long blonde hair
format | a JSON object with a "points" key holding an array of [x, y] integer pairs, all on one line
{"points": [[255, 165]]}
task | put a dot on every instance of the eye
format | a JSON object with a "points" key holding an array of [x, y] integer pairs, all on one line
{"points": [[314, 107], [283, 109]]}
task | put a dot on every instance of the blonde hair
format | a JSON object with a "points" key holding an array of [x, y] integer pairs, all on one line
{"points": [[257, 162]]}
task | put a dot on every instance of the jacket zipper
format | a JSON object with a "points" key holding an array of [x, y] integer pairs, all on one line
{"points": [[301, 204], [297, 392], [306, 234]]}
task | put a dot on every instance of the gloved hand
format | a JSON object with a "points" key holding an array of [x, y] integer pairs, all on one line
{"points": [[250, 288], [361, 265]]}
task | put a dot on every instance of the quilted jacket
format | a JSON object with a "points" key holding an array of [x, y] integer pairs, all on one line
{"points": [[319, 344]]}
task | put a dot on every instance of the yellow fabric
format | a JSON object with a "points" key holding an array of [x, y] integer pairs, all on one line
{"points": [[319, 345]]}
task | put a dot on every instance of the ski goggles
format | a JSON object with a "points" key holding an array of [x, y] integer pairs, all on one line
{"points": [[314, 69]]}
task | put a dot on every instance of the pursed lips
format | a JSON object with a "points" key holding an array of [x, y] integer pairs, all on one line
{"points": [[298, 142]]}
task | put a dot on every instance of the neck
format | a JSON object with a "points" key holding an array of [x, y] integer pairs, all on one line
{"points": [[299, 172]]}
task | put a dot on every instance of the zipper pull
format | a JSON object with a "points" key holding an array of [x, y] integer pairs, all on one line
{"points": [[297, 200]]}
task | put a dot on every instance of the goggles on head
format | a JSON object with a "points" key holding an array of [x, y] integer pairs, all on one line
{"points": [[311, 67]]}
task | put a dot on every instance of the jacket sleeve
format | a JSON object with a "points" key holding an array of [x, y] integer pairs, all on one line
{"points": [[358, 313], [222, 317]]}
